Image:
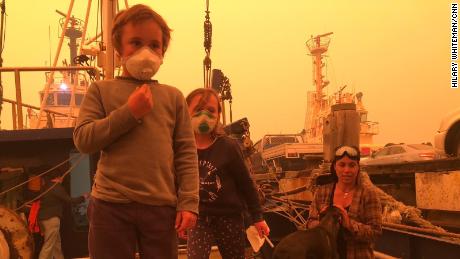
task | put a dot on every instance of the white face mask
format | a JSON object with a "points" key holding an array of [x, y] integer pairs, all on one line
{"points": [[143, 64], [203, 122]]}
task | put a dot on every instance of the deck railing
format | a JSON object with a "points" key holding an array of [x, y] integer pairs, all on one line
{"points": [[17, 105]]}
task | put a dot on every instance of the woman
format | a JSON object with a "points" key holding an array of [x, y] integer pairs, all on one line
{"points": [[360, 206], [225, 184]]}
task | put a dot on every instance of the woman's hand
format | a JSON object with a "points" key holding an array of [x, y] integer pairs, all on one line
{"points": [[312, 223], [345, 218], [262, 228]]}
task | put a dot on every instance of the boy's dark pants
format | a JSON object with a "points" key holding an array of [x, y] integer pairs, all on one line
{"points": [[115, 229]]}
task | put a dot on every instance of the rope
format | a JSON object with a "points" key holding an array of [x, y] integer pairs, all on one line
{"points": [[409, 213], [52, 186], [455, 236], [21, 184], [297, 218]]}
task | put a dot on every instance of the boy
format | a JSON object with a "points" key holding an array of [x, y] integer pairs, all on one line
{"points": [[146, 182]]}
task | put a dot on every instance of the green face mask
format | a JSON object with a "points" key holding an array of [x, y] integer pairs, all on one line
{"points": [[203, 122]]}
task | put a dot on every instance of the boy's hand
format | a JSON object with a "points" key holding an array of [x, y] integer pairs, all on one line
{"points": [[184, 220], [140, 102]]}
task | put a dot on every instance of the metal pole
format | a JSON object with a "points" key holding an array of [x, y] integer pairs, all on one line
{"points": [[231, 112], [72, 98], [93, 39], [38, 108], [83, 36], [421, 230], [2, 6], [17, 80], [109, 9], [224, 121], [13, 111], [67, 68]]}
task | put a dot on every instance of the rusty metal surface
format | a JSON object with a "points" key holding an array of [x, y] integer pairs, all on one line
{"points": [[16, 234], [435, 233], [405, 244], [441, 165], [35, 134], [438, 190], [286, 185]]}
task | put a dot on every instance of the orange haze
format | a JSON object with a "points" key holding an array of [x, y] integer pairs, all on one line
{"points": [[396, 52]]}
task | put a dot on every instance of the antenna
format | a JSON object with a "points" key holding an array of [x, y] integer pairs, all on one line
{"points": [[49, 40]]}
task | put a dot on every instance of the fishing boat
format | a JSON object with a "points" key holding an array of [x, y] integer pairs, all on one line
{"points": [[319, 104]]}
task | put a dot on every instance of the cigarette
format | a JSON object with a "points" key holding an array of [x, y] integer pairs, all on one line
{"points": [[269, 242]]}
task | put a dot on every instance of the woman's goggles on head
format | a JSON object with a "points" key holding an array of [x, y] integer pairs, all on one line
{"points": [[347, 150]]}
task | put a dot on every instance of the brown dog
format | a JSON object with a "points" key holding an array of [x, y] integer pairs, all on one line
{"points": [[319, 242]]}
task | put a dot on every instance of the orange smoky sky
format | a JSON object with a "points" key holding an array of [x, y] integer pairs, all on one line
{"points": [[396, 52]]}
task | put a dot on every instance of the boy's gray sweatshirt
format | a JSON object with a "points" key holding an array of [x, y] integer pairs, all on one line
{"points": [[151, 161]]}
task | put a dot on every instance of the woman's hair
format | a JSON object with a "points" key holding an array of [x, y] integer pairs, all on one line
{"points": [[205, 94], [137, 14], [351, 152]]}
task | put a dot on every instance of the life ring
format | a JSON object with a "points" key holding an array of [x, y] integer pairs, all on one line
{"points": [[4, 247], [15, 239]]}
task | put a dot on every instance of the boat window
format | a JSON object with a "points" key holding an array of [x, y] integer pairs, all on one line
{"points": [[278, 140], [363, 117], [80, 184], [78, 99], [421, 146], [397, 150], [381, 152], [257, 145], [49, 100], [63, 99]]}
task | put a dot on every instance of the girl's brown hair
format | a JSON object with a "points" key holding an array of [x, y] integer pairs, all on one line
{"points": [[205, 94]]}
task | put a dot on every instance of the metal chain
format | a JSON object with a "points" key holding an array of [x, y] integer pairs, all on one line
{"points": [[207, 47]]}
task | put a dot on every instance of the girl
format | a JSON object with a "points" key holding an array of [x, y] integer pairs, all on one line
{"points": [[225, 184]]}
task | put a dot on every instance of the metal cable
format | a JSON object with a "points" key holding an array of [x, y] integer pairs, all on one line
{"points": [[52, 186], [21, 184]]}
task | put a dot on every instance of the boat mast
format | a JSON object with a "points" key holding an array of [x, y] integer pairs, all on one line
{"points": [[317, 47]]}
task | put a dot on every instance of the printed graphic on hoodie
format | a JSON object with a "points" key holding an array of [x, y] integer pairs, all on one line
{"points": [[210, 183]]}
